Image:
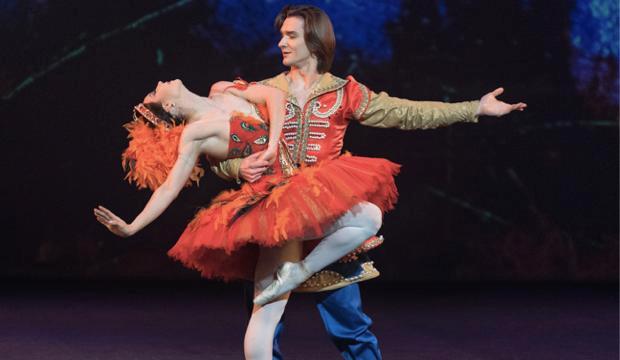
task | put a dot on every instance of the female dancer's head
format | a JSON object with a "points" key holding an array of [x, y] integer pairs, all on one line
{"points": [[166, 103], [155, 134]]}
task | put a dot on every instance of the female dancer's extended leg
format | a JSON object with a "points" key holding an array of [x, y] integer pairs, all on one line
{"points": [[349, 232], [258, 342]]}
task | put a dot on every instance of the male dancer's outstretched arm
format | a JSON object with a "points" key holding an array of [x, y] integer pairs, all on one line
{"points": [[391, 112], [384, 111]]}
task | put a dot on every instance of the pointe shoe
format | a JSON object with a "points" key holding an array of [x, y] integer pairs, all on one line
{"points": [[288, 277]]}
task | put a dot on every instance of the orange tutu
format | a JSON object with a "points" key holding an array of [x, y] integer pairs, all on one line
{"points": [[222, 241]]}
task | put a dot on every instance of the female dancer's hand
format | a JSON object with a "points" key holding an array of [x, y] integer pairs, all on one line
{"points": [[490, 106], [115, 224]]}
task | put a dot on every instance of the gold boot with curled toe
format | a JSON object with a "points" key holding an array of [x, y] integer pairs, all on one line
{"points": [[352, 268]]}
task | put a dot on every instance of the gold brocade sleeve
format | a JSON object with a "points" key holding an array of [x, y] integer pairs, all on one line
{"points": [[385, 111], [228, 169]]}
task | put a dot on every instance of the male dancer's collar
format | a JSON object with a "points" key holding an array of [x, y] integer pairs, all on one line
{"points": [[328, 83]]}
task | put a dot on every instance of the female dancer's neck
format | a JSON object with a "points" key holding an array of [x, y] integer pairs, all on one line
{"points": [[199, 106]]}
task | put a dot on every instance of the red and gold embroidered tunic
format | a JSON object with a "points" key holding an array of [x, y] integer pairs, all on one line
{"points": [[315, 131]]}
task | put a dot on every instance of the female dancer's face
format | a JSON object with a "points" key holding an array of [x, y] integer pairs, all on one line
{"points": [[293, 45], [165, 92]]}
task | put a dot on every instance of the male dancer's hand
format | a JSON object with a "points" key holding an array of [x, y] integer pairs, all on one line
{"points": [[253, 167], [490, 106]]}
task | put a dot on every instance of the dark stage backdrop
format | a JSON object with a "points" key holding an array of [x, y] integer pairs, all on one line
{"points": [[531, 196]]}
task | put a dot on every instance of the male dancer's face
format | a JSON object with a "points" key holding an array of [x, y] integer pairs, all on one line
{"points": [[293, 45]]}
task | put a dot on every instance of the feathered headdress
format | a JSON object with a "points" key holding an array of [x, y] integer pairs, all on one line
{"points": [[152, 150]]}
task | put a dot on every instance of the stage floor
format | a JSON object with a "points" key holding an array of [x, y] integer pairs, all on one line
{"points": [[447, 322]]}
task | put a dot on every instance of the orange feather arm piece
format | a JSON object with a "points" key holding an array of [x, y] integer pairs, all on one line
{"points": [[151, 153]]}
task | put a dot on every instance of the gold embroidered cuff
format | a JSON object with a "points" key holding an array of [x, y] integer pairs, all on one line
{"points": [[228, 169]]}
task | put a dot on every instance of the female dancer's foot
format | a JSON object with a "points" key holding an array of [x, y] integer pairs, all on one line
{"points": [[288, 277]]}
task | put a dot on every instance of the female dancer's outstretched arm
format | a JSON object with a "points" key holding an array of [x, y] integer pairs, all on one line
{"points": [[189, 150]]}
